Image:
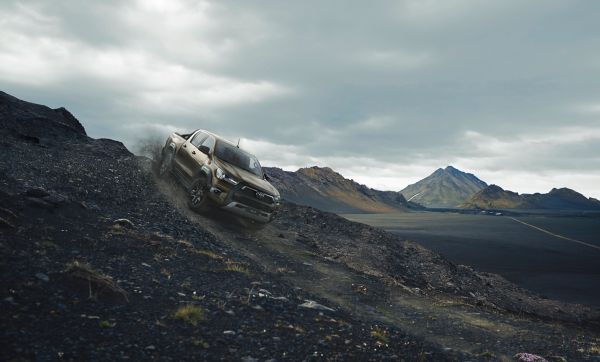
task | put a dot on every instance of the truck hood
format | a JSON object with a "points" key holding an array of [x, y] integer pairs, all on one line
{"points": [[247, 177]]}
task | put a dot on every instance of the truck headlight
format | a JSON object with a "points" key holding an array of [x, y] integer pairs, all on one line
{"points": [[221, 175]]}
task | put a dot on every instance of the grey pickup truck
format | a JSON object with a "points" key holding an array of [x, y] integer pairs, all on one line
{"points": [[218, 173]]}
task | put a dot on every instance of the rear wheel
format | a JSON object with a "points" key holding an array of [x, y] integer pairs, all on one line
{"points": [[198, 196], [166, 162]]}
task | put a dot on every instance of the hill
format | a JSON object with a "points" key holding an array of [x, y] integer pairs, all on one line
{"points": [[446, 187], [102, 261], [494, 197], [327, 190]]}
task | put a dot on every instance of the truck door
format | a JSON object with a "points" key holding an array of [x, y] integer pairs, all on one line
{"points": [[186, 155], [201, 158]]}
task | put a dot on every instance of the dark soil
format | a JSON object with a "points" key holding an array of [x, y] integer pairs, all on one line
{"points": [[80, 285]]}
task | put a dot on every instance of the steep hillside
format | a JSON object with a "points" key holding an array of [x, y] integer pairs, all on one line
{"points": [[97, 263], [102, 261], [448, 187], [327, 190], [494, 197]]}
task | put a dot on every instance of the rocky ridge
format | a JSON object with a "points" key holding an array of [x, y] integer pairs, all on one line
{"points": [[494, 197], [327, 190]]}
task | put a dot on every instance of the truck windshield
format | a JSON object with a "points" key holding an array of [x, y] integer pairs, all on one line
{"points": [[233, 155]]}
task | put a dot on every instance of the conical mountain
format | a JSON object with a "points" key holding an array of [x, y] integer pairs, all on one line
{"points": [[446, 187]]}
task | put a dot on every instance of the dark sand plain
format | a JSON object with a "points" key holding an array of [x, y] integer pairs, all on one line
{"points": [[551, 266]]}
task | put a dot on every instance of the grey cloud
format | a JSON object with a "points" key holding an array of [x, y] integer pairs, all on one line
{"points": [[399, 82]]}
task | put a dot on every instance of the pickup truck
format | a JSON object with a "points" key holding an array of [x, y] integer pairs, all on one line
{"points": [[216, 172]]}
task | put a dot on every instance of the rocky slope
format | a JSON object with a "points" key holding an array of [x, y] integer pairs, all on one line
{"points": [[102, 261], [82, 284], [446, 187], [325, 189], [494, 197]]}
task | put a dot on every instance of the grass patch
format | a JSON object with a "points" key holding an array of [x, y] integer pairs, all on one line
{"points": [[207, 253], [236, 267], [380, 335], [96, 284], [185, 243], [190, 313], [106, 324], [487, 354], [282, 270], [165, 273], [594, 349]]}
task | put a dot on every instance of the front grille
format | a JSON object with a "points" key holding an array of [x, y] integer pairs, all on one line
{"points": [[248, 196], [255, 194]]}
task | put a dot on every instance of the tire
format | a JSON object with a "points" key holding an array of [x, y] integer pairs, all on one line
{"points": [[198, 196], [166, 163]]}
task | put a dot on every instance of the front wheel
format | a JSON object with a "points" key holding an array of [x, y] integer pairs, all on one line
{"points": [[198, 196]]}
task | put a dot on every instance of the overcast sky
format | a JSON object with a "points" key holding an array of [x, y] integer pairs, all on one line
{"points": [[383, 92]]}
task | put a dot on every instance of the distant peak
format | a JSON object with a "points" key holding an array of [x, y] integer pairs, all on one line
{"points": [[317, 169], [494, 188]]}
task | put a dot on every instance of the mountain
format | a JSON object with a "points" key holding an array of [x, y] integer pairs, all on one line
{"points": [[494, 197], [327, 190], [446, 187]]}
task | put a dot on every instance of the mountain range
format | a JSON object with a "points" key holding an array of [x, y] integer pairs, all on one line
{"points": [[325, 189], [444, 188], [494, 197]]}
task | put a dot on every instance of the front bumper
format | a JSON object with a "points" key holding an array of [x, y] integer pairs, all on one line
{"points": [[225, 200], [248, 212]]}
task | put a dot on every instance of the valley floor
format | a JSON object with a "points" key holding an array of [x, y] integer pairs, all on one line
{"points": [[561, 263]]}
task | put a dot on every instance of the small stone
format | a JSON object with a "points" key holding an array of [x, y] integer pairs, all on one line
{"points": [[37, 192], [311, 304], [124, 223], [229, 333], [55, 199], [151, 347], [42, 277]]}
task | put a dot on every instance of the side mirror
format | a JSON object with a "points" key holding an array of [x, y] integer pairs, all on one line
{"points": [[266, 177], [204, 149]]}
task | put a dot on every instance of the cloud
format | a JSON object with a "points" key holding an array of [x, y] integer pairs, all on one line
{"points": [[385, 92]]}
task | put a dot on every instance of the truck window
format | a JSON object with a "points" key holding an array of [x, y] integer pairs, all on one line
{"points": [[209, 142], [198, 138]]}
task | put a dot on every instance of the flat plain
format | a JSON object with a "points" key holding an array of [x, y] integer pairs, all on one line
{"points": [[552, 266]]}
